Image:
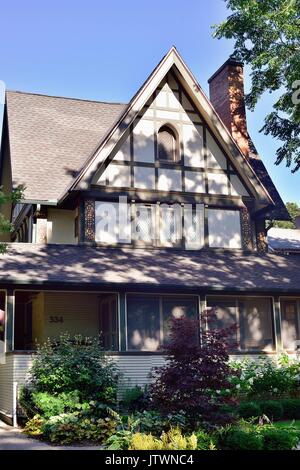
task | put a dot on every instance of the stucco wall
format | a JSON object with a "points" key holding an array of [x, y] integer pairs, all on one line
{"points": [[60, 226]]}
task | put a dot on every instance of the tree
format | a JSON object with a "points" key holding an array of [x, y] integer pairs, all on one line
{"points": [[195, 372], [5, 225], [294, 211], [267, 37]]}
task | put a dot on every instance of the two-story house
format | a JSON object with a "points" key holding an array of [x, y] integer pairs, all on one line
{"points": [[134, 213]]}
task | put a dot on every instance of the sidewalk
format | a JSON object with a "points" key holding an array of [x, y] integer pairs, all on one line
{"points": [[13, 439]]}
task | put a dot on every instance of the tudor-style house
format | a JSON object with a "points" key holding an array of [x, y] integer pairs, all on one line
{"points": [[134, 213]]}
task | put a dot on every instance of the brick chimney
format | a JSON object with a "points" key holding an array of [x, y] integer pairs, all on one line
{"points": [[226, 89]]}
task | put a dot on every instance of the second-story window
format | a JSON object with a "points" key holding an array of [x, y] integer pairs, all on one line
{"points": [[167, 145]]}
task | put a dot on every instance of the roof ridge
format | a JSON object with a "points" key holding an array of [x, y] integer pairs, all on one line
{"points": [[65, 97]]}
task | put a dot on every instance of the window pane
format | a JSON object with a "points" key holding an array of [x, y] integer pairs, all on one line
{"points": [[106, 222], [143, 323], [289, 324], [177, 307], [224, 228], [166, 144], [108, 322], [223, 313], [253, 318], [256, 324], [170, 225], [194, 227], [144, 223]]}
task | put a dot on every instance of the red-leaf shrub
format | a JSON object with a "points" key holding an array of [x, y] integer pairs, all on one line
{"points": [[194, 373]]}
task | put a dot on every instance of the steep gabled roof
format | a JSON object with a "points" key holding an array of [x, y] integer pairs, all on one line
{"points": [[57, 143], [172, 60], [51, 137]]}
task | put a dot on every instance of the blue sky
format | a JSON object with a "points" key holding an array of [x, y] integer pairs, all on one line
{"points": [[104, 50]]}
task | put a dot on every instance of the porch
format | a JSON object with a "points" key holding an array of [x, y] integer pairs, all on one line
{"points": [[133, 327]]}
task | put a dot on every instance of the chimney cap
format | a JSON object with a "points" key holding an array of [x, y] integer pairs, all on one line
{"points": [[230, 61]]}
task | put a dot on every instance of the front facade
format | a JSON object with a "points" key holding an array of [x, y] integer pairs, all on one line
{"points": [[135, 213]]}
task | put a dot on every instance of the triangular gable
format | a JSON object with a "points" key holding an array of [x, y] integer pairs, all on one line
{"points": [[187, 80], [201, 166]]}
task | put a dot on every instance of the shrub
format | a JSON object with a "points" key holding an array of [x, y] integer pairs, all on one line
{"points": [[155, 423], [34, 426], [279, 439], [205, 441], [238, 439], [172, 440], [249, 410], [291, 408], [242, 436], [266, 378], [272, 408], [134, 399], [48, 405], [69, 364], [193, 373], [71, 427]]}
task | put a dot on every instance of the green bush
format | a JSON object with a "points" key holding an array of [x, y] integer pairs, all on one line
{"points": [[48, 405], [272, 409], [291, 408], [70, 364], [155, 423], [71, 427], [242, 439], [134, 399], [266, 378], [205, 441], [249, 410], [279, 439]]}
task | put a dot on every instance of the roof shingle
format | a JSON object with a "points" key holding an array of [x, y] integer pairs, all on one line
{"points": [[86, 266], [53, 136]]}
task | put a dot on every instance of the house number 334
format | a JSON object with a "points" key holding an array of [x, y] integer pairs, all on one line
{"points": [[56, 319]]}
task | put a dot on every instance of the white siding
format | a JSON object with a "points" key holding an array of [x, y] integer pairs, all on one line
{"points": [[6, 386], [135, 370]]}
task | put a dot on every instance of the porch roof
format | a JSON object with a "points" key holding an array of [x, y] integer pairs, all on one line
{"points": [[85, 266]]}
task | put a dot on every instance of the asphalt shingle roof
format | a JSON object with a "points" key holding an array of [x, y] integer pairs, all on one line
{"points": [[283, 239], [87, 265], [52, 137]]}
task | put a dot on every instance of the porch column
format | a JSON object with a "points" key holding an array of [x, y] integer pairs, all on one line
{"points": [[277, 324], [10, 320], [122, 312]]}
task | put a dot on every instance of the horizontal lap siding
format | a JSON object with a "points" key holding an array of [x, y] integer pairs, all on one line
{"points": [[135, 369], [22, 364], [6, 386]]}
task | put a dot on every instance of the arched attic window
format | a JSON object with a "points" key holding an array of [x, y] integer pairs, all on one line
{"points": [[167, 145]]}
